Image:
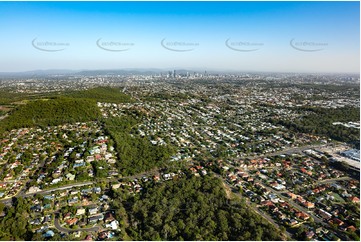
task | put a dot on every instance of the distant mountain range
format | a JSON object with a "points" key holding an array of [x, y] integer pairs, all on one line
{"points": [[37, 73], [126, 72], [151, 71]]}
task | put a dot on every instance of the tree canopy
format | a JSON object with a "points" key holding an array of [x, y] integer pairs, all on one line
{"points": [[194, 208], [136, 154], [102, 94], [320, 120], [51, 112]]}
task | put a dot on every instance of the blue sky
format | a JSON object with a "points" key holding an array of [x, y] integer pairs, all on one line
{"points": [[262, 36]]}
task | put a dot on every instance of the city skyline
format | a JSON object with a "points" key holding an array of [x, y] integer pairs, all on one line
{"points": [[314, 37]]}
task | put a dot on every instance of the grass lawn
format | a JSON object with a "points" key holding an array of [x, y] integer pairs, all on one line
{"points": [[337, 198]]}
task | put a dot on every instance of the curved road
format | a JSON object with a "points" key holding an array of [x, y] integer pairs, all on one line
{"points": [[65, 230]]}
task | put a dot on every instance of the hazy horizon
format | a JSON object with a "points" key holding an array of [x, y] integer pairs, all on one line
{"points": [[293, 37], [164, 70]]}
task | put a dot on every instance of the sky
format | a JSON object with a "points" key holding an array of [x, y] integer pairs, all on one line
{"points": [[234, 36]]}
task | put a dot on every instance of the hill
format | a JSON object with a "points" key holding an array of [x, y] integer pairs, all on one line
{"points": [[102, 94], [51, 112]]}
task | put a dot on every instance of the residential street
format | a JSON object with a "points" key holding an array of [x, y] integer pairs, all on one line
{"points": [[65, 230], [249, 204]]}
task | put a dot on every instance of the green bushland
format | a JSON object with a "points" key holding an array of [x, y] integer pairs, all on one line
{"points": [[194, 208], [7, 96], [319, 121], [50, 112], [102, 94], [136, 154]]}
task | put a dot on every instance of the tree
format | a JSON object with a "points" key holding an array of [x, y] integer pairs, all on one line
{"points": [[193, 208], [2, 206]]}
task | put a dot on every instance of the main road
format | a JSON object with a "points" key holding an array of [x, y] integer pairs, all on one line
{"points": [[69, 186], [288, 151], [22, 194], [249, 204]]}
